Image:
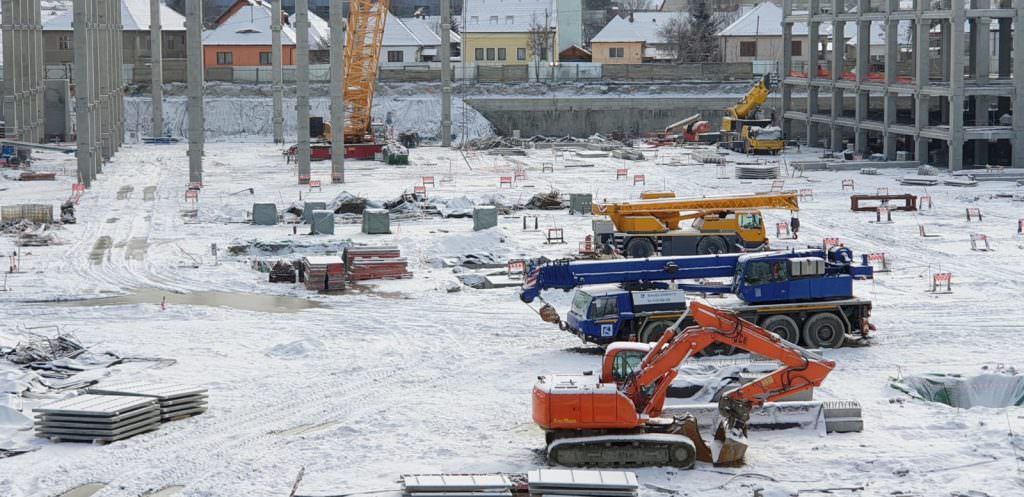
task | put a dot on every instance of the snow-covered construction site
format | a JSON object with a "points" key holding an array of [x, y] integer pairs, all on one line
{"points": [[422, 303]]}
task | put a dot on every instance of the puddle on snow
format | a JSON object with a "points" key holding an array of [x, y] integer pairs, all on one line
{"points": [[233, 300], [86, 490]]}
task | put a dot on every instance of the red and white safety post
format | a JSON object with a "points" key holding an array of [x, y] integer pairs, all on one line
{"points": [[782, 231], [878, 261], [882, 190], [942, 283], [806, 194], [973, 213], [828, 243], [555, 235], [924, 202], [639, 179], [515, 267], [848, 183], [621, 173], [979, 242], [883, 215], [587, 245], [504, 180]]}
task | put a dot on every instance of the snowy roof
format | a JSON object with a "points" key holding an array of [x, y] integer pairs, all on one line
{"points": [[134, 17], [504, 16], [643, 28], [412, 32], [250, 25], [766, 20]]}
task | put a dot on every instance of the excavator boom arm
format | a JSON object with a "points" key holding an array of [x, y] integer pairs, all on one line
{"points": [[801, 369]]}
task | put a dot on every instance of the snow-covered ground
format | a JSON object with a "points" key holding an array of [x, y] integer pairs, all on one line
{"points": [[405, 377]]}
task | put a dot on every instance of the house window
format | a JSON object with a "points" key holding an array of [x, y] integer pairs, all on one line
{"points": [[395, 56], [748, 49], [501, 54], [474, 19], [65, 42], [265, 59], [520, 54], [478, 54], [225, 59], [509, 19], [490, 54], [494, 19], [797, 48], [616, 52]]}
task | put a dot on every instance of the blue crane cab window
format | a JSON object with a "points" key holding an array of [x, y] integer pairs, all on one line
{"points": [[759, 273]]}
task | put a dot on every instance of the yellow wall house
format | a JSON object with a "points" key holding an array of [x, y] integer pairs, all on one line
{"points": [[497, 32]]}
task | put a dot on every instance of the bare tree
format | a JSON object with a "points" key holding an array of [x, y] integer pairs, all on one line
{"points": [[540, 41], [694, 39]]}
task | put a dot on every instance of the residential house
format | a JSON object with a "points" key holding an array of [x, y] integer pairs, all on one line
{"points": [[59, 50], [756, 37], [575, 54], [242, 37], [412, 40], [498, 32], [634, 39]]}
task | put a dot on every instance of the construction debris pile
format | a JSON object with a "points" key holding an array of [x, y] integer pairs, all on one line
{"points": [[331, 273], [31, 234], [546, 201], [59, 358]]}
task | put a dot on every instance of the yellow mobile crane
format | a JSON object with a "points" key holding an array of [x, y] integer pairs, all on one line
{"points": [[743, 132], [650, 226]]}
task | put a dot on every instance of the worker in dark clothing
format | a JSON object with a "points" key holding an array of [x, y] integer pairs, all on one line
{"points": [[794, 225]]}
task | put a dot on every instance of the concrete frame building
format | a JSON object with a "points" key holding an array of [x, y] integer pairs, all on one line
{"points": [[934, 95]]}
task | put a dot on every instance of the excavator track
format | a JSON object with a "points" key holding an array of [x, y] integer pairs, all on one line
{"points": [[652, 449]]}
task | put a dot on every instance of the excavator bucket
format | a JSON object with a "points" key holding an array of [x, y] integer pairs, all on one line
{"points": [[687, 426], [730, 444]]}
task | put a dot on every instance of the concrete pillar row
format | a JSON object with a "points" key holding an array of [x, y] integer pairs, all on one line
{"points": [[338, 93], [278, 72], [1018, 85], [156, 57], [446, 74], [956, 81], [194, 49]]}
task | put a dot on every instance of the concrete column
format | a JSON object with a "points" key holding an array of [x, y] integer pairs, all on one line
{"points": [[838, 66], [1005, 65], [118, 68], [891, 68], [446, 74], [787, 66], [194, 48], [156, 56], [39, 67], [921, 64], [338, 35], [83, 91], [10, 87], [302, 87], [981, 74], [947, 30], [103, 77], [956, 83], [863, 63], [278, 72], [1018, 85]]}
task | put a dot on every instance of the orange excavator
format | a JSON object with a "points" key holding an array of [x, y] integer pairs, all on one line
{"points": [[613, 420]]}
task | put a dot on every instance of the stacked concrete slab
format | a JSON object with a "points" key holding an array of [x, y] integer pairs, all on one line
{"points": [[175, 401], [97, 418]]}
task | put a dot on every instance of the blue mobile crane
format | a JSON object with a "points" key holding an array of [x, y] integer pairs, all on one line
{"points": [[804, 296]]}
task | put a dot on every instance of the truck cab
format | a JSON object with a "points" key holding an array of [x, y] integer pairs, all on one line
{"points": [[609, 313], [748, 224]]}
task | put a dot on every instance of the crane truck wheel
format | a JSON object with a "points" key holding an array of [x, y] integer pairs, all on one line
{"points": [[784, 326], [824, 330], [640, 248], [652, 331], [711, 245]]}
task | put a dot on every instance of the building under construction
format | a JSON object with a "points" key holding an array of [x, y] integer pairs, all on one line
{"points": [[933, 79]]}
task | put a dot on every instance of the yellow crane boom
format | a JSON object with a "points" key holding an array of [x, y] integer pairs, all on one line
{"points": [[658, 212], [362, 62]]}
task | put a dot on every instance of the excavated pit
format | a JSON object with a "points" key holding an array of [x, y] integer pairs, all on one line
{"points": [[994, 388]]}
